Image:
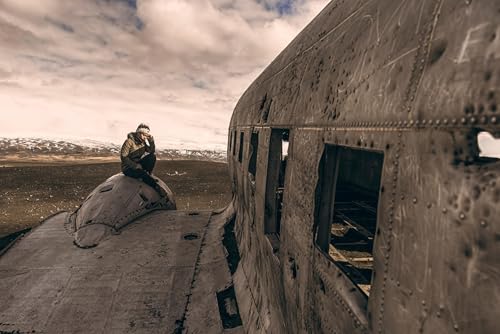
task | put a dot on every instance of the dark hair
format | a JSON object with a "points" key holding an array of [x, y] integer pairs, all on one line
{"points": [[143, 126]]}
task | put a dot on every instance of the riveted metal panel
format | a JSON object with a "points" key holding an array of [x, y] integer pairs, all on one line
{"points": [[417, 81]]}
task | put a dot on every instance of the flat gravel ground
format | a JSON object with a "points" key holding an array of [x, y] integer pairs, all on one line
{"points": [[31, 192]]}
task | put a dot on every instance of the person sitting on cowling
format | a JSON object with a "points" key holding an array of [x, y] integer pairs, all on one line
{"points": [[138, 157]]}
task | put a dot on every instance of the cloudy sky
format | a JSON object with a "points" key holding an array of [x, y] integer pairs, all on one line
{"points": [[96, 68]]}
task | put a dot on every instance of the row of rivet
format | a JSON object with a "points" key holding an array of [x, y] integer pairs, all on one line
{"points": [[426, 123], [390, 228], [414, 124], [411, 123]]}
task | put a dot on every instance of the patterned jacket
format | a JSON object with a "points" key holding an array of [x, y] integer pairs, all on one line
{"points": [[133, 149]]}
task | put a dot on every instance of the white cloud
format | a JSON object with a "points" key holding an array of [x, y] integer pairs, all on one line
{"points": [[83, 68]]}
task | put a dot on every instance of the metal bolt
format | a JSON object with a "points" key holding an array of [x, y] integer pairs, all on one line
{"points": [[473, 120], [494, 119], [463, 120], [483, 223], [462, 215], [445, 210], [414, 200]]}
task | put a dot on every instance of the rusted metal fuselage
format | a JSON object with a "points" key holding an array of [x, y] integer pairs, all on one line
{"points": [[362, 202]]}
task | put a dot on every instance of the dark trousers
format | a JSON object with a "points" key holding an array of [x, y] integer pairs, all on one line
{"points": [[147, 163]]}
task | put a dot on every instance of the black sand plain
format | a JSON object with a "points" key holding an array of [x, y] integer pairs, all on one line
{"points": [[29, 192]]}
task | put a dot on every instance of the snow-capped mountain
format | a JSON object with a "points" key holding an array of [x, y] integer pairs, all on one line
{"points": [[39, 148]]}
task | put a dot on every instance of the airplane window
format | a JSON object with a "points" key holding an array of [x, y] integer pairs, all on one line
{"points": [[275, 187], [284, 148], [240, 152], [489, 146], [234, 143], [254, 146], [346, 210]]}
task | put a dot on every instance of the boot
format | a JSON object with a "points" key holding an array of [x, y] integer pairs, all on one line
{"points": [[161, 191]]}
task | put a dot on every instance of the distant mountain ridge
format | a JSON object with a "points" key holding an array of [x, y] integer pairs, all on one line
{"points": [[40, 148]]}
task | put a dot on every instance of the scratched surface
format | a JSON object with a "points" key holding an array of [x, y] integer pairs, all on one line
{"points": [[413, 79], [144, 280]]}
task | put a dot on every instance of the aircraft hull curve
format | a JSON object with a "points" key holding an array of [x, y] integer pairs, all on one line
{"points": [[112, 205]]}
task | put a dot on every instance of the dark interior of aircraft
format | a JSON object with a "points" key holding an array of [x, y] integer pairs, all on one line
{"points": [[349, 186]]}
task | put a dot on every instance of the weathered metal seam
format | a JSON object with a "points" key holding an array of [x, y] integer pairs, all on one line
{"points": [[412, 89], [435, 124]]}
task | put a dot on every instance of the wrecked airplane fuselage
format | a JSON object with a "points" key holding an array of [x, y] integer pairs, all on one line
{"points": [[112, 205], [363, 204]]}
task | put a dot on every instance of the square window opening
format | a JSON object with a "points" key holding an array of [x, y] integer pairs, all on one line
{"points": [[275, 185], [254, 146], [234, 142], [240, 152], [346, 210]]}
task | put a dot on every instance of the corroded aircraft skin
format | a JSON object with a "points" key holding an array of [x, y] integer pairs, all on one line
{"points": [[362, 202], [166, 272], [113, 204]]}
